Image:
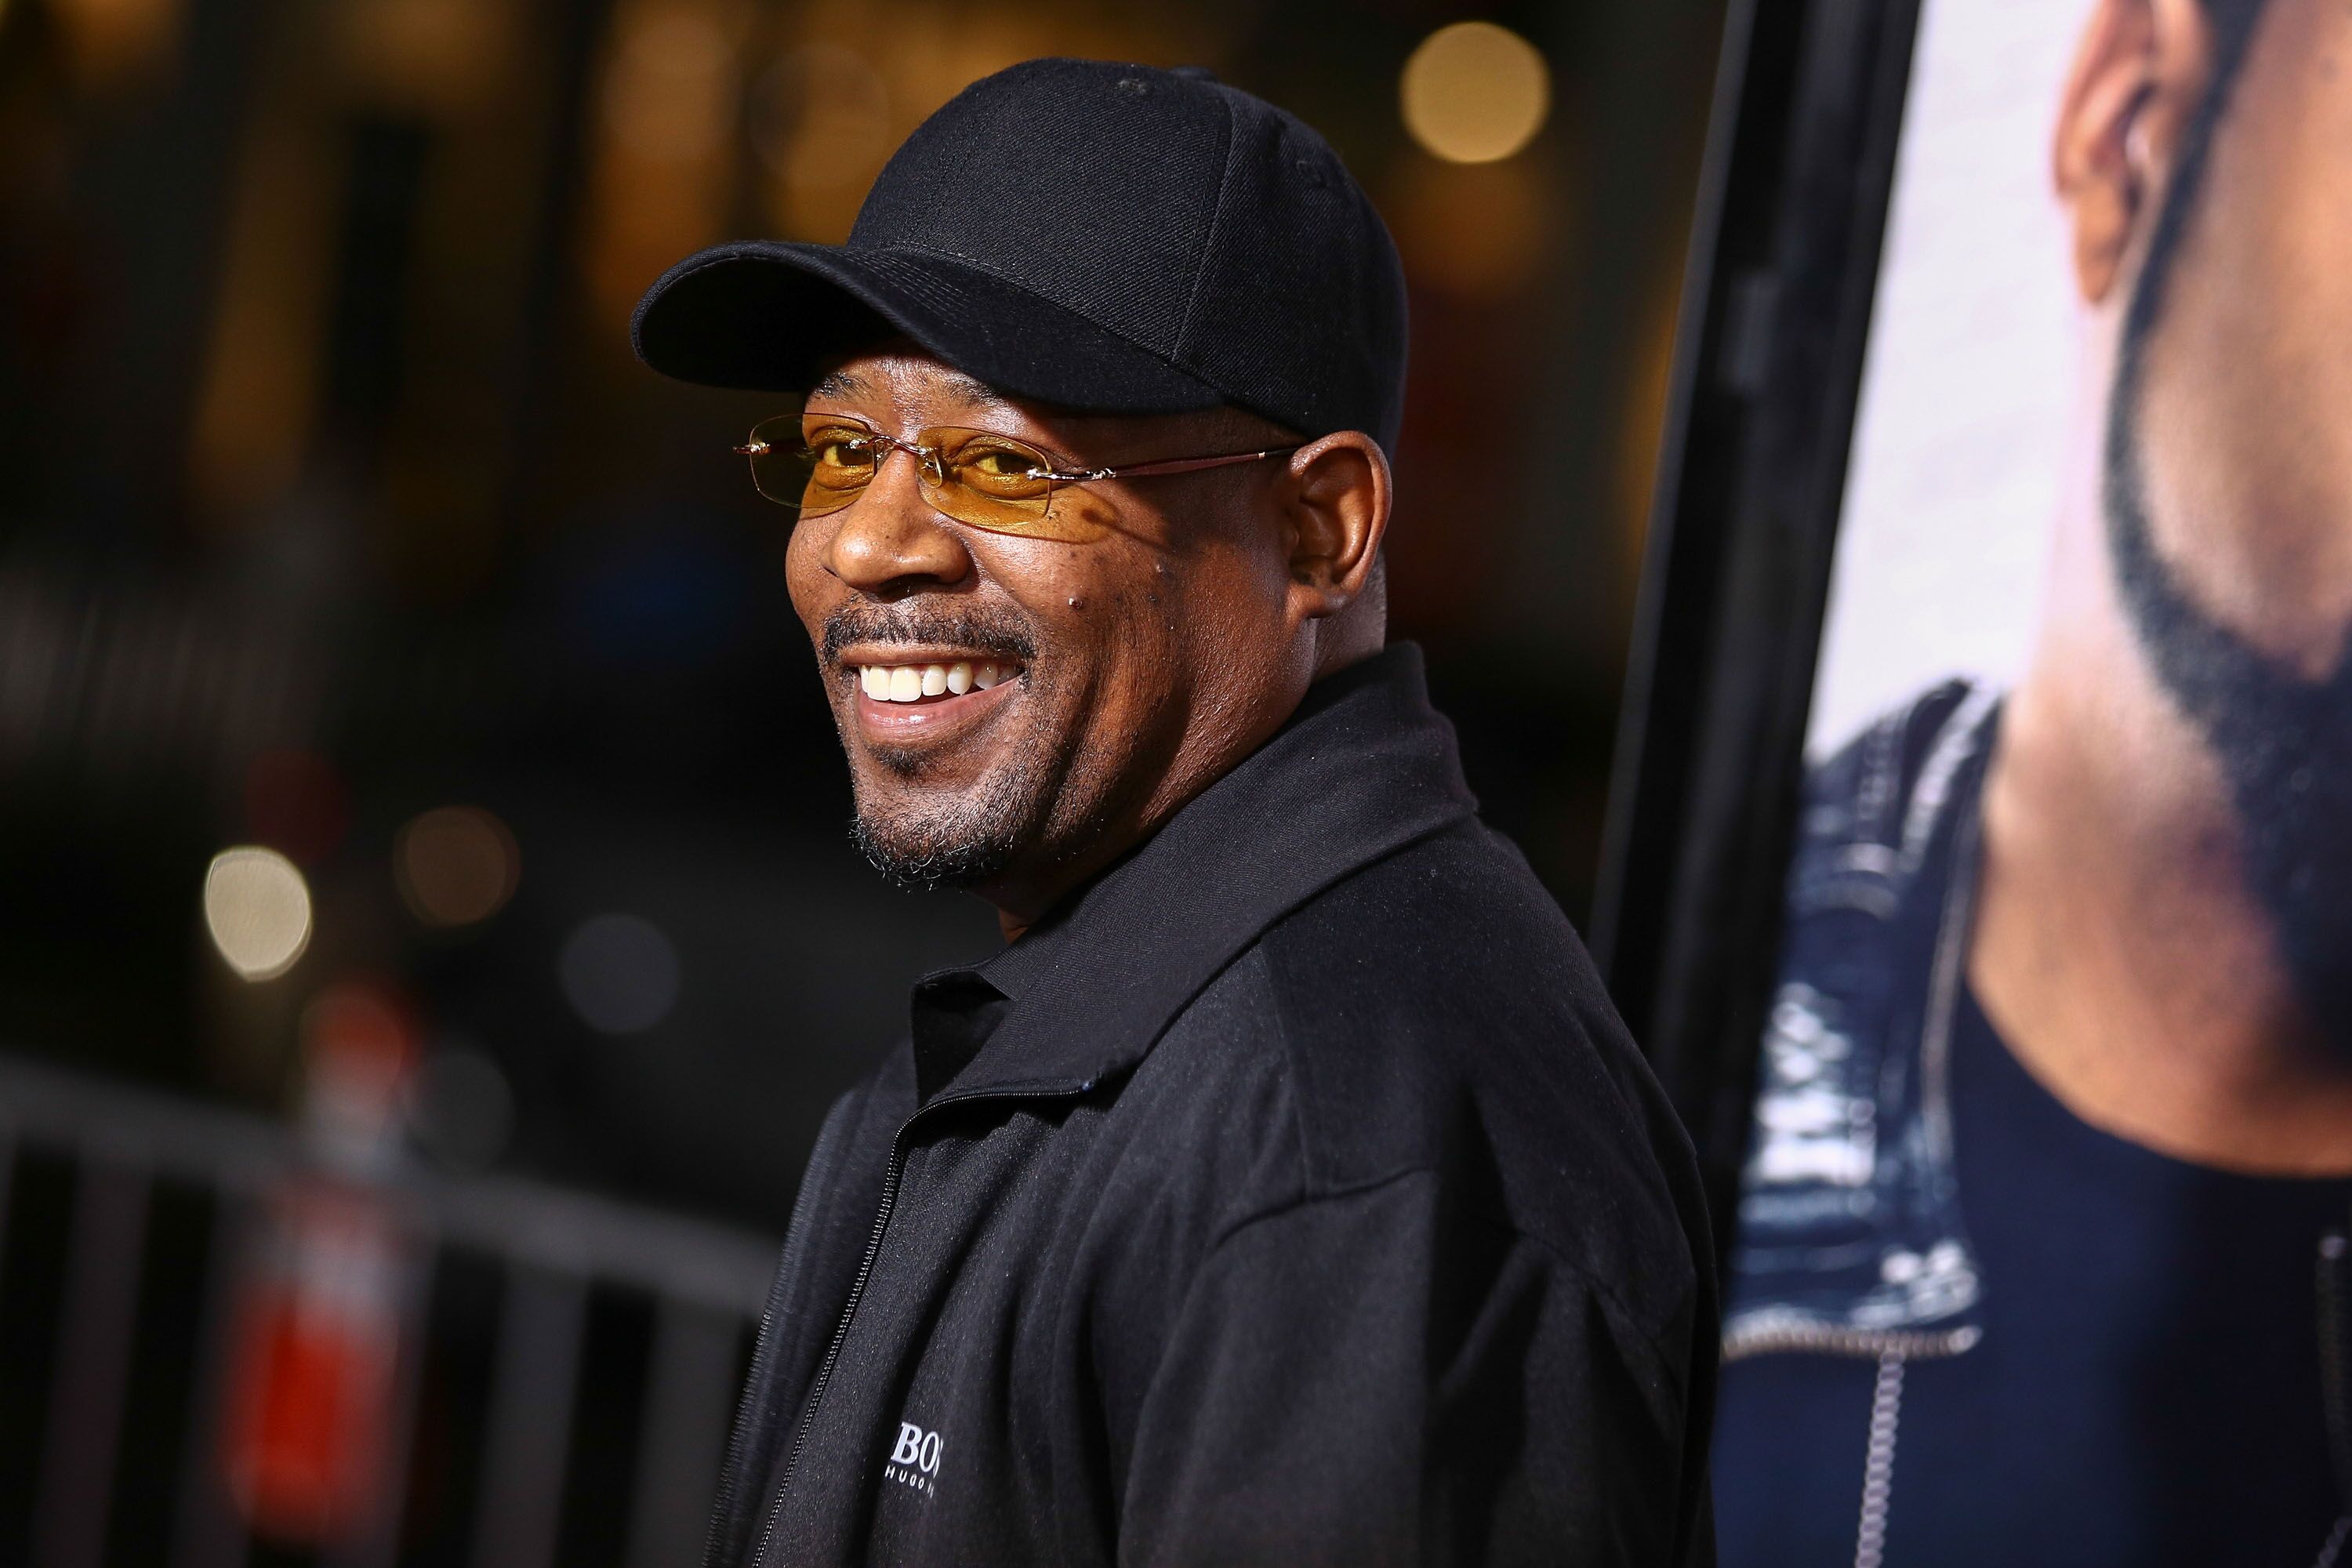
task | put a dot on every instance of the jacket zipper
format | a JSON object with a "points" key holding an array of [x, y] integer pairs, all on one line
{"points": [[857, 1287], [789, 1267], [1891, 1348], [1878, 1463]]}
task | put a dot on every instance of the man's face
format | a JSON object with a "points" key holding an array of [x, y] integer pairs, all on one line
{"points": [[1146, 644], [2229, 474]]}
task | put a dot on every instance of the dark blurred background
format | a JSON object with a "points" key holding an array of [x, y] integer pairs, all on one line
{"points": [[330, 495], [339, 532]]}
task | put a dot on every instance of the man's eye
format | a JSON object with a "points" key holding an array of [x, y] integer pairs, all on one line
{"points": [[1003, 465], [843, 451]]}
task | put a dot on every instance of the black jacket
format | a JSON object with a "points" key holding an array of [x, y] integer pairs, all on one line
{"points": [[1293, 1196]]}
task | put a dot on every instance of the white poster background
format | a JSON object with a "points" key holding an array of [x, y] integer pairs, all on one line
{"points": [[1968, 379]]}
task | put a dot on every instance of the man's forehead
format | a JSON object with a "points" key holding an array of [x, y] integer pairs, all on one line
{"points": [[920, 386], [889, 372]]}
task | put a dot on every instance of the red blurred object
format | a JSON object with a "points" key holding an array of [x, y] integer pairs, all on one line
{"points": [[317, 1339], [296, 803], [310, 1409]]}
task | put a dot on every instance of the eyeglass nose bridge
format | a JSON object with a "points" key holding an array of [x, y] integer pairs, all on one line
{"points": [[929, 462]]}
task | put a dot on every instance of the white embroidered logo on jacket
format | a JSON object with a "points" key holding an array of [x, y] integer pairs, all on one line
{"points": [[915, 1461]]}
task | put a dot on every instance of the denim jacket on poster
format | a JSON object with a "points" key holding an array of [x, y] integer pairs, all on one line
{"points": [[1850, 1236]]}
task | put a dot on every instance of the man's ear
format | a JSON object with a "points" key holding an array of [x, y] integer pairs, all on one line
{"points": [[1336, 498], [2139, 73]]}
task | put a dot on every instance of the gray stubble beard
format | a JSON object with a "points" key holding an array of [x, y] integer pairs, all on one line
{"points": [[971, 839]]}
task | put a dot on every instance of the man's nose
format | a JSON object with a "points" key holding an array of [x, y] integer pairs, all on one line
{"points": [[890, 542]]}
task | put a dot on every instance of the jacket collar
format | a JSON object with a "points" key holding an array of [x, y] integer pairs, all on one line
{"points": [[1365, 767], [1881, 897]]}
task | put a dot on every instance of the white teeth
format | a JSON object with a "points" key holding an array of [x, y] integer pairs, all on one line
{"points": [[913, 682]]}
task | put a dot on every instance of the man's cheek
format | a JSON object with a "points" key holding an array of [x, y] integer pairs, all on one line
{"points": [[806, 581]]}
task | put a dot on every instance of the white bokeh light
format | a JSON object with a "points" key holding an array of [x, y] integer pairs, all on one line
{"points": [[257, 909]]}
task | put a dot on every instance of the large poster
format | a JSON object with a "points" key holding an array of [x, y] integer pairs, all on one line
{"points": [[1969, 388], [2039, 1254]]}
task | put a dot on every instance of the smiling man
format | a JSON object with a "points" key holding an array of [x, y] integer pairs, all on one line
{"points": [[1285, 1190]]}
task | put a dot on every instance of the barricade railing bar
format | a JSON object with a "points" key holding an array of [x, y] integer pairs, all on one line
{"points": [[485, 1320]]}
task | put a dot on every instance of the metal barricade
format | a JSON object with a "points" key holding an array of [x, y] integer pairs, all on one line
{"points": [[554, 1255]]}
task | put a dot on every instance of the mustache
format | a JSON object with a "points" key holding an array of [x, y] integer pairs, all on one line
{"points": [[915, 624]]}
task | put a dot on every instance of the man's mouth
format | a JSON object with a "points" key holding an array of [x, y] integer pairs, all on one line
{"points": [[926, 701], [917, 683]]}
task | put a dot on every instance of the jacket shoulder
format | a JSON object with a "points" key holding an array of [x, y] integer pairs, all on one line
{"points": [[1438, 1012]]}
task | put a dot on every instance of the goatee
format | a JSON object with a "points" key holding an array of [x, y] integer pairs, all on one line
{"points": [[965, 844]]}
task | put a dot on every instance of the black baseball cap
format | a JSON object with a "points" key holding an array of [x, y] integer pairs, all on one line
{"points": [[1087, 235]]}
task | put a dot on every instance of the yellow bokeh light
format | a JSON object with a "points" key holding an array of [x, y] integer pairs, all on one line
{"points": [[257, 909], [1475, 92]]}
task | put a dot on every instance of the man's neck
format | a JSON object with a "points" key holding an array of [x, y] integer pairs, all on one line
{"points": [[2115, 947]]}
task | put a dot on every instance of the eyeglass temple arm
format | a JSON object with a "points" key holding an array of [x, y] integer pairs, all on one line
{"points": [[1177, 464], [1129, 470]]}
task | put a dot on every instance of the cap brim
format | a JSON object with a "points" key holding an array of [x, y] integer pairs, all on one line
{"points": [[768, 315]]}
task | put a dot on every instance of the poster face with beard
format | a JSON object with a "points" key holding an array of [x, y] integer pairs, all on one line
{"points": [[2055, 1088], [1983, 409], [2080, 753]]}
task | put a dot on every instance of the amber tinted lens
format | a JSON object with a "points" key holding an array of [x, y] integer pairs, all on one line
{"points": [[1000, 468], [813, 467], [991, 480], [837, 459]]}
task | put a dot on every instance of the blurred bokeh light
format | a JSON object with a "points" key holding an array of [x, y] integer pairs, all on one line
{"points": [[456, 865], [257, 909], [295, 801], [1474, 92], [620, 973]]}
